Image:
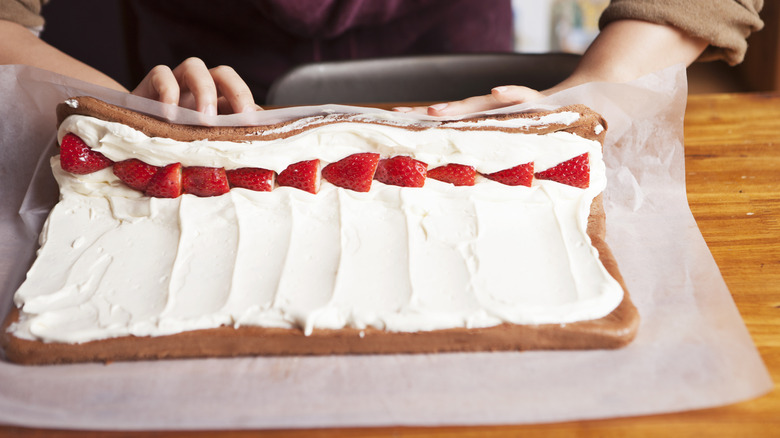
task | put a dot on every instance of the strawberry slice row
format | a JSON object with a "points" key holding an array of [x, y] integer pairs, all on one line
{"points": [[76, 157], [355, 172], [573, 172], [304, 175]]}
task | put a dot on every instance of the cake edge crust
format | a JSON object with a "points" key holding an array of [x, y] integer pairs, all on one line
{"points": [[590, 124]]}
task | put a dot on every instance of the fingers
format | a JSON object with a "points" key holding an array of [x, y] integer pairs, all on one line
{"points": [[232, 90], [498, 98], [159, 84], [193, 85], [194, 78], [514, 94], [465, 106]]}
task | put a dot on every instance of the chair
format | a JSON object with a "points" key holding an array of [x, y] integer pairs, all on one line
{"points": [[417, 78]]}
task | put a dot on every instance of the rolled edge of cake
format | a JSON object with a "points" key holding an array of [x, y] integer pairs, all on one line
{"points": [[588, 124]]}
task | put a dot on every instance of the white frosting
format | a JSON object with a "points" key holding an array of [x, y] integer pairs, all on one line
{"points": [[115, 263], [488, 151]]}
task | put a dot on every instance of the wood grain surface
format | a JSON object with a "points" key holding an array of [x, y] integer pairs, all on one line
{"points": [[732, 149]]}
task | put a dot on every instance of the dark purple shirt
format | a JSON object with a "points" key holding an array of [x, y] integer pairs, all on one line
{"points": [[264, 39]]}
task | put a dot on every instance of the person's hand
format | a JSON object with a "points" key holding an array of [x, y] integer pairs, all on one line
{"points": [[624, 50], [193, 85], [499, 97]]}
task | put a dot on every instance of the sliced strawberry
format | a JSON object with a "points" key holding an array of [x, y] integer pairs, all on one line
{"points": [[401, 171], [135, 173], [76, 157], [354, 172], [204, 181], [457, 174], [166, 183], [521, 175], [252, 178], [574, 172], [304, 175]]}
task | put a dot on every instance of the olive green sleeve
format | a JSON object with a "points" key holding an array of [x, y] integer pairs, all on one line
{"points": [[724, 24], [24, 12]]}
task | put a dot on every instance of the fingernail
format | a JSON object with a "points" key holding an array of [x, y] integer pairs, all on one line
{"points": [[439, 106], [500, 89], [402, 109], [210, 110]]}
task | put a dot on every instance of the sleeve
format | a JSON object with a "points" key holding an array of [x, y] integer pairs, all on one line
{"points": [[24, 12], [724, 24]]}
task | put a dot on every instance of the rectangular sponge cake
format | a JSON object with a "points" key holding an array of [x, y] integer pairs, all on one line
{"points": [[337, 233]]}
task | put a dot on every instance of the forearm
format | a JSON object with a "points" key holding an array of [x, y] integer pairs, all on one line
{"points": [[628, 49], [623, 51], [19, 46]]}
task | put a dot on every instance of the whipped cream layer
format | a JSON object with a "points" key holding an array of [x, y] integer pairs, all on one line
{"points": [[114, 263], [487, 150]]}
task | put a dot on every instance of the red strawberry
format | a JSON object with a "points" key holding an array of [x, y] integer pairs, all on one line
{"points": [[135, 173], [252, 178], [521, 175], [166, 183], [204, 181], [574, 172], [354, 172], [303, 175], [457, 174], [76, 157], [401, 171]]}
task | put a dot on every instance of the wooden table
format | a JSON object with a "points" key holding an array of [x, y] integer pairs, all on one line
{"points": [[732, 151]]}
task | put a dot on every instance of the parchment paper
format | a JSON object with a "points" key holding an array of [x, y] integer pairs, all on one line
{"points": [[692, 351]]}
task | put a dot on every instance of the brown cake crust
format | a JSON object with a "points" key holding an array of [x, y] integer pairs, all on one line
{"points": [[612, 331], [584, 127]]}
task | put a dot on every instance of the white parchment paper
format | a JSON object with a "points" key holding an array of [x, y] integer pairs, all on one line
{"points": [[692, 351]]}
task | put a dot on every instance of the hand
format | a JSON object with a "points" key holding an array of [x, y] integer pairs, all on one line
{"points": [[192, 85], [499, 97], [623, 51]]}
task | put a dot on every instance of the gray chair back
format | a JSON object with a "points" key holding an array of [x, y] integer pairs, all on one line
{"points": [[433, 78]]}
